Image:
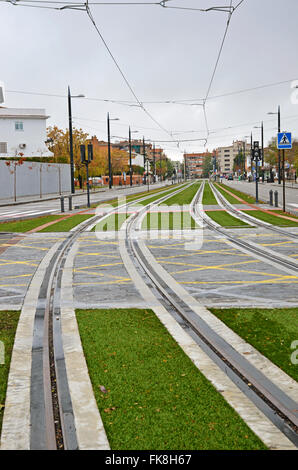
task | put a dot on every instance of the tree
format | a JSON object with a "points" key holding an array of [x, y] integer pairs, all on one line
{"points": [[207, 166], [238, 163]]}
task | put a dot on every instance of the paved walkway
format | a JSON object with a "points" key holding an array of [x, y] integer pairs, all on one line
{"points": [[264, 188]]}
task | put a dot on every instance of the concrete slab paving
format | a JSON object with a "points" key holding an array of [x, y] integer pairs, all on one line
{"points": [[221, 276], [100, 278], [18, 264]]}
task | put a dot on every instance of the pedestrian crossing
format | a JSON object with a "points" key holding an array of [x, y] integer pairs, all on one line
{"points": [[6, 214]]}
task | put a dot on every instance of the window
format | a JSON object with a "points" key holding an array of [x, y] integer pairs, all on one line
{"points": [[3, 147], [18, 125]]}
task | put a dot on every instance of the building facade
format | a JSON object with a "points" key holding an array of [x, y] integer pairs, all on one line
{"points": [[194, 164], [23, 133], [227, 155]]}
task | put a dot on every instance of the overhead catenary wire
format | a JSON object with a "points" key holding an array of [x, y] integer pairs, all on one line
{"points": [[121, 72], [172, 101]]}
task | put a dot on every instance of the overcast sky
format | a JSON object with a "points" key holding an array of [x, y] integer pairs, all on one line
{"points": [[165, 54]]}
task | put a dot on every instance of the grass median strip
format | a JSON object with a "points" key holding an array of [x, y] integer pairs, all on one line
{"points": [[8, 326], [225, 219], [177, 220], [111, 223], [271, 218], [184, 197], [27, 224], [208, 196], [67, 224], [228, 196], [244, 196], [270, 331], [149, 393]]}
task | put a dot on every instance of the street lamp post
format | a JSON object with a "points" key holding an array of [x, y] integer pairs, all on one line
{"points": [[144, 155], [244, 155], [109, 150], [130, 166], [278, 126], [154, 165], [71, 138]]}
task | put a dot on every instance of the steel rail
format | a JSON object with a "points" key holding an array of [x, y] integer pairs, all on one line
{"points": [[246, 218], [269, 393], [243, 244], [52, 423]]}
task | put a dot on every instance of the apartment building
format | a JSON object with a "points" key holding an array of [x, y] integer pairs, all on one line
{"points": [[226, 156], [194, 164]]}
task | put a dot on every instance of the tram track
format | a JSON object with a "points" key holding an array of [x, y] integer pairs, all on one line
{"points": [[246, 218], [273, 401], [52, 423], [255, 250]]}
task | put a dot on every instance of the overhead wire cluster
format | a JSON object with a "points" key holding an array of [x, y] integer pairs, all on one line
{"points": [[166, 4]]}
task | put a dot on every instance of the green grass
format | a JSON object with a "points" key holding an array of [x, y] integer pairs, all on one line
{"points": [[67, 224], [287, 214], [272, 219], [208, 196], [115, 202], [154, 396], [244, 196], [229, 198], [185, 197], [8, 326], [154, 198], [28, 224], [168, 221], [270, 331], [226, 220], [111, 223]]}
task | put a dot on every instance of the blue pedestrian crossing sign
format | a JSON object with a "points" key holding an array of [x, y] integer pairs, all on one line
{"points": [[284, 140]]}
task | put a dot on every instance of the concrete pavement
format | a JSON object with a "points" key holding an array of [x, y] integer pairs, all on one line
{"points": [[264, 188]]}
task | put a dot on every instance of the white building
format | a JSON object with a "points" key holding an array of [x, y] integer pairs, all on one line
{"points": [[23, 131]]}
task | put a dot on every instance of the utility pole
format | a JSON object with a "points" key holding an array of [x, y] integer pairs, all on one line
{"points": [[144, 155], [262, 143], [154, 165], [279, 169], [160, 166], [283, 182], [109, 154], [70, 143], [130, 168], [251, 154], [244, 158]]}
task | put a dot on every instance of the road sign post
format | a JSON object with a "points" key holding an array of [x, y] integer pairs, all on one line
{"points": [[284, 142], [256, 156]]}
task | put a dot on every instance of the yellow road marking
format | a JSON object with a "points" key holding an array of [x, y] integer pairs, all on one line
{"points": [[81, 253], [204, 252], [282, 280], [277, 244], [7, 262], [13, 285], [99, 283], [98, 266], [13, 277]]}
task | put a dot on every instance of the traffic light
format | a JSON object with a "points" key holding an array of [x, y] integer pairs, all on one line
{"points": [[83, 153], [90, 152]]}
